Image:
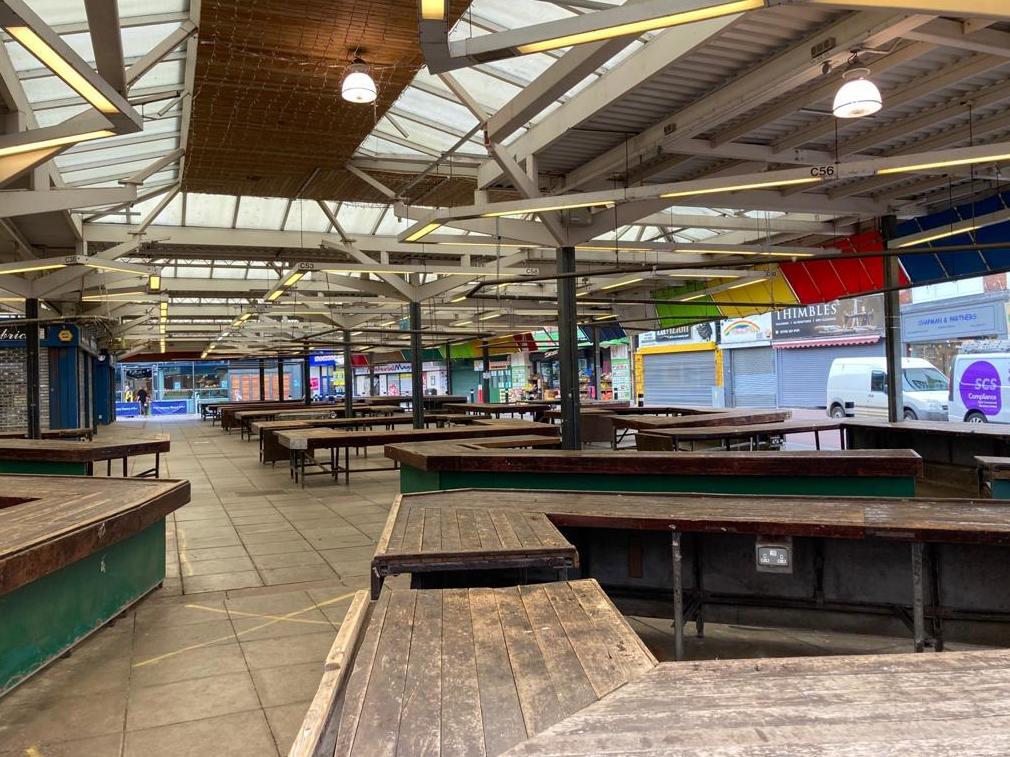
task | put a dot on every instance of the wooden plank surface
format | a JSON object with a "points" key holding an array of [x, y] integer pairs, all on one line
{"points": [[477, 671], [64, 450], [65, 518], [312, 439], [453, 455], [906, 705], [713, 418]]}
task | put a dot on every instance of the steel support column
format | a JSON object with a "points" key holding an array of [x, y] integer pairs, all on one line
{"points": [[448, 368], [416, 378], [306, 380], [280, 378], [597, 365], [892, 326], [485, 381], [263, 380], [568, 350], [348, 377], [32, 368]]}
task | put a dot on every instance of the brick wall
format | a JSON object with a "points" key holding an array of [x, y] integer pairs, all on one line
{"points": [[14, 388]]}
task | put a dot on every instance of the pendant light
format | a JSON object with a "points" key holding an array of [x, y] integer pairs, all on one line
{"points": [[858, 96], [358, 85]]}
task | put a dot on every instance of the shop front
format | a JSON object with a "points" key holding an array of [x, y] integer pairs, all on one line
{"points": [[680, 366], [748, 361], [935, 331], [808, 339]]}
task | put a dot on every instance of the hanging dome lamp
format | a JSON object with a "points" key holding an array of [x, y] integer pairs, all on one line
{"points": [[358, 86], [858, 96]]}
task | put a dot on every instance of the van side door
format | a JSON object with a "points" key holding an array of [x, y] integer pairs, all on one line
{"points": [[876, 399]]}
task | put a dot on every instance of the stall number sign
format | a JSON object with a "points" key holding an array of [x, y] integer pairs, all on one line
{"points": [[980, 388]]}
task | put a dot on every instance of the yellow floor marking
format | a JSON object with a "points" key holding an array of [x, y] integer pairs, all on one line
{"points": [[191, 647], [180, 538], [260, 615], [33, 752]]}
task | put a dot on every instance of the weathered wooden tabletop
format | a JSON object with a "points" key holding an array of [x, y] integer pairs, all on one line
{"points": [[64, 450], [477, 671]]}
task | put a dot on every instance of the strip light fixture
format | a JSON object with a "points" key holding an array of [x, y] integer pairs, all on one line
{"points": [[28, 267], [422, 232], [637, 28], [44, 144], [548, 208], [432, 10], [739, 187], [948, 232], [154, 282], [56, 63], [944, 164], [626, 282]]}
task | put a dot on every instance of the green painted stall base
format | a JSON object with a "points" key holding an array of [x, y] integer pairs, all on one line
{"points": [[43, 468], [42, 620], [415, 480], [1001, 489]]}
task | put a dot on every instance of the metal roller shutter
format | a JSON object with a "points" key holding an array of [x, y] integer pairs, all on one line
{"points": [[679, 378], [752, 377], [803, 372]]}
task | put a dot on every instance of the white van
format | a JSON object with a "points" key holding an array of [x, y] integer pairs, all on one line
{"points": [[858, 386], [979, 388]]}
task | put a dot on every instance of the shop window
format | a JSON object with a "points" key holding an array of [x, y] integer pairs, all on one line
{"points": [[878, 381]]}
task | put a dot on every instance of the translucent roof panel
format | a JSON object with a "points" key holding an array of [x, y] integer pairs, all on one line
{"points": [[358, 218], [306, 215], [210, 210], [170, 216], [261, 212]]}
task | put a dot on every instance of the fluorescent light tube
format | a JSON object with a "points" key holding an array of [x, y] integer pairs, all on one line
{"points": [[784, 254], [940, 235], [547, 208], [54, 142], [944, 164], [432, 10], [154, 282], [30, 268], [274, 295], [102, 266], [740, 187], [52, 60], [640, 27], [621, 283], [294, 278], [421, 232]]}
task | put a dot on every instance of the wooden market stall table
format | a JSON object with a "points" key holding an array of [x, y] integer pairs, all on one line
{"points": [[271, 450], [428, 465], [859, 706], [213, 410], [64, 457], [74, 554], [467, 671], [624, 423], [886, 563], [948, 449], [754, 436], [303, 443], [245, 418], [80, 434], [993, 476], [497, 409]]}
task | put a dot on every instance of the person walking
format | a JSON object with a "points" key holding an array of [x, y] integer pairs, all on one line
{"points": [[142, 399]]}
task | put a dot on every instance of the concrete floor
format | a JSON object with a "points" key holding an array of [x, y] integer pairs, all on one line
{"points": [[224, 659]]}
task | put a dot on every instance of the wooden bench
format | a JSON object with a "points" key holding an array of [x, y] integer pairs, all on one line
{"points": [[61, 457], [303, 443], [440, 464], [753, 437], [889, 564], [865, 706], [470, 671], [74, 554]]}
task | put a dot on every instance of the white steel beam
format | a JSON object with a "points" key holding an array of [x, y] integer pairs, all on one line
{"points": [[27, 202], [107, 41], [157, 53]]}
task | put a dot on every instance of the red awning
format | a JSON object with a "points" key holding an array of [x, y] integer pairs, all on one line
{"points": [[838, 341]]}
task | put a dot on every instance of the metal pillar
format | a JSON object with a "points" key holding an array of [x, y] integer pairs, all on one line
{"points": [[263, 380], [485, 381], [678, 598], [280, 378], [597, 365], [416, 378], [448, 368], [34, 399], [348, 377], [568, 346], [892, 327], [306, 380]]}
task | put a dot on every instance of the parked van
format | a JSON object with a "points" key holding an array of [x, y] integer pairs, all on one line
{"points": [[858, 386], [979, 386]]}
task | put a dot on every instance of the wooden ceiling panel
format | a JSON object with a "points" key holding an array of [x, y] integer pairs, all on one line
{"points": [[267, 111]]}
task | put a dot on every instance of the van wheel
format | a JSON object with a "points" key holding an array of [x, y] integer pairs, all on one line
{"points": [[910, 414], [975, 417], [837, 411]]}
